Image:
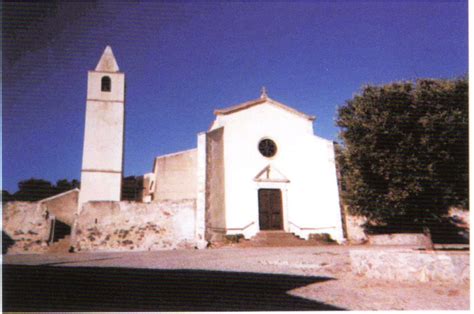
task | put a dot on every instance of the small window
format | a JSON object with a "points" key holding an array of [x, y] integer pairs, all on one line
{"points": [[267, 147], [106, 85]]}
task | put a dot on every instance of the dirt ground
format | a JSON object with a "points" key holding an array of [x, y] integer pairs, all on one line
{"points": [[344, 290]]}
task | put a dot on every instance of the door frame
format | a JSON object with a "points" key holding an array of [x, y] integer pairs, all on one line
{"points": [[274, 201], [283, 187]]}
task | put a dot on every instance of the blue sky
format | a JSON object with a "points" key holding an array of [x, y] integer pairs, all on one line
{"points": [[182, 60]]}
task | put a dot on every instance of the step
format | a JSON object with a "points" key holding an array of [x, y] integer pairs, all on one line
{"points": [[61, 246], [275, 235], [276, 238]]}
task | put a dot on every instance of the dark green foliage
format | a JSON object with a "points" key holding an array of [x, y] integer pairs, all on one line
{"points": [[64, 185], [37, 189], [32, 190], [131, 188], [6, 196], [405, 150]]}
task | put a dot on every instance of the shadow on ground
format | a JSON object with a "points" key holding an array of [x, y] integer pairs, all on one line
{"points": [[46, 288]]}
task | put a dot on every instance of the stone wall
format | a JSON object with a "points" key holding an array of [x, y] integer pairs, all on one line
{"points": [[411, 265], [355, 231], [132, 226], [28, 225], [411, 239]]}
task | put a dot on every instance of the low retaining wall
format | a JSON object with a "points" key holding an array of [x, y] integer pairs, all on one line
{"points": [[127, 226], [28, 225], [411, 265], [410, 239]]}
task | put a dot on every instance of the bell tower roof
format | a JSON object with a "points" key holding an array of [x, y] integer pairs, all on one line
{"points": [[107, 62]]}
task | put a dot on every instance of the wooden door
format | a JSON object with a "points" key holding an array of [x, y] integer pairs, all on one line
{"points": [[270, 209]]}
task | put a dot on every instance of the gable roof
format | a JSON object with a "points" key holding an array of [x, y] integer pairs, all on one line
{"points": [[258, 101]]}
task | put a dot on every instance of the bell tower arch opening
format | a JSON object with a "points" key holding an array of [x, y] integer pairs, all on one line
{"points": [[106, 84]]}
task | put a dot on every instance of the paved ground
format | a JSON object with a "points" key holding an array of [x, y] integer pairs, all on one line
{"points": [[293, 278]]}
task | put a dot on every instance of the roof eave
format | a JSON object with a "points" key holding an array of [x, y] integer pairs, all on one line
{"points": [[258, 101]]}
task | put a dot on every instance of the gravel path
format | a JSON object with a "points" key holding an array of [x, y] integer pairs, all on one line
{"points": [[345, 291]]}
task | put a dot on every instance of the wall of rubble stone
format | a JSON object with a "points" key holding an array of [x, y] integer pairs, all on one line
{"points": [[410, 239], [355, 231], [132, 226], [28, 225], [411, 265]]}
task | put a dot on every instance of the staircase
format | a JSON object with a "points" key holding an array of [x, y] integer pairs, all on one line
{"points": [[60, 246], [277, 238]]}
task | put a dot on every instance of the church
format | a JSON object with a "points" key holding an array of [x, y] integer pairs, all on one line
{"points": [[259, 167]]}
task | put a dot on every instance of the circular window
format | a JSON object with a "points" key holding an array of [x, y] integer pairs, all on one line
{"points": [[267, 147]]}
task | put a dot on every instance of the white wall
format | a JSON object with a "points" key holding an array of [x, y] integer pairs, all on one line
{"points": [[310, 199], [102, 158], [99, 186], [176, 176], [200, 218], [103, 136]]}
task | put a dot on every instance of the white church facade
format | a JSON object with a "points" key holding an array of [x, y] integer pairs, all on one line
{"points": [[259, 166]]}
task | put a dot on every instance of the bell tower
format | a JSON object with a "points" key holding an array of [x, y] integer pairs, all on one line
{"points": [[102, 157]]}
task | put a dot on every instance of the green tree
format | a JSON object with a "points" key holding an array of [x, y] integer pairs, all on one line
{"points": [[64, 185], [34, 190], [6, 196], [405, 150], [37, 189], [131, 187]]}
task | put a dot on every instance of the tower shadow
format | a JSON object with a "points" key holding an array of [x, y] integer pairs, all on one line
{"points": [[46, 288]]}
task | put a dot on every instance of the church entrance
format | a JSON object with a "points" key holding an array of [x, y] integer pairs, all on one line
{"points": [[270, 209]]}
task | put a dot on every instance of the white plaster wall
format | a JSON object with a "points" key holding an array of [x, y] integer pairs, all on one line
{"points": [[314, 197], [310, 198], [102, 159], [117, 92], [103, 136], [100, 186], [176, 176], [200, 218]]}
